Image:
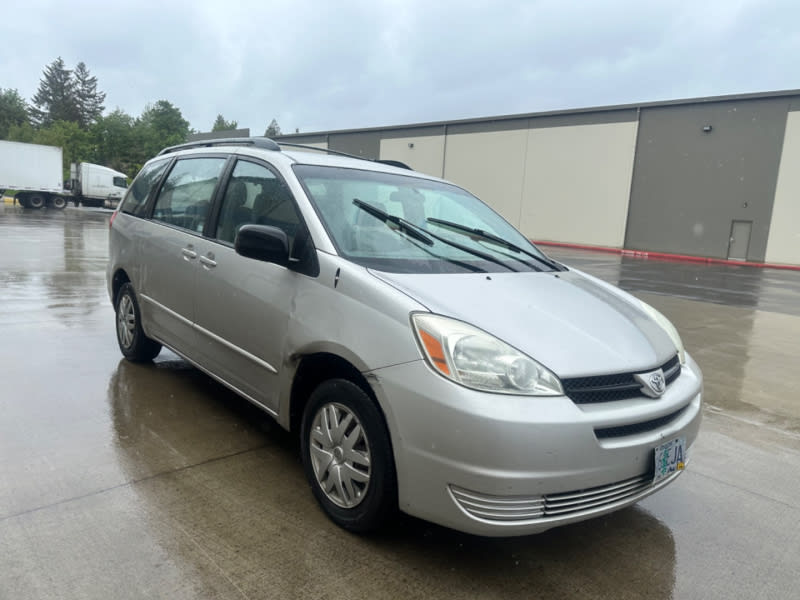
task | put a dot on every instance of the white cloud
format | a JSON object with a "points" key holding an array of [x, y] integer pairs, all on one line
{"points": [[351, 64]]}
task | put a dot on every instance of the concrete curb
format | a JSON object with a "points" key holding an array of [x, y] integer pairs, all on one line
{"points": [[671, 257]]}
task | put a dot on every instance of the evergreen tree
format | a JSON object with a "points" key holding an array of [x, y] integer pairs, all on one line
{"points": [[55, 99], [114, 144], [88, 100], [160, 125], [13, 111], [273, 129], [222, 125]]}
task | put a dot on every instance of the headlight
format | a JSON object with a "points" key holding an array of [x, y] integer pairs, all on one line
{"points": [[667, 326], [477, 360]]}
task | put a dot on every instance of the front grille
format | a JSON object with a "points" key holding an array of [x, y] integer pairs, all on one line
{"points": [[549, 506], [634, 428], [619, 386]]}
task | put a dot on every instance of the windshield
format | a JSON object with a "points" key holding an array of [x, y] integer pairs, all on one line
{"points": [[399, 243]]}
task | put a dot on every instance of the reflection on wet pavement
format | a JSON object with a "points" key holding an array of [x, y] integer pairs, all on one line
{"points": [[765, 289], [135, 481]]}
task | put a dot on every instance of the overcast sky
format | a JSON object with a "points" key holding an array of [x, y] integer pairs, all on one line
{"points": [[320, 65]]}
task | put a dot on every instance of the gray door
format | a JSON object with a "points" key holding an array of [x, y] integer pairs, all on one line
{"points": [[740, 240], [243, 305], [171, 249]]}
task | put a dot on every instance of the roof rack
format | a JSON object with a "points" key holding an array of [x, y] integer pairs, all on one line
{"points": [[269, 144], [258, 142], [393, 163]]}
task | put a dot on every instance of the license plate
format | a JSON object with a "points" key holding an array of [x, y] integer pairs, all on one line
{"points": [[670, 457]]}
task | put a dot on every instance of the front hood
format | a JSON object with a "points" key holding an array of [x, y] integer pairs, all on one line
{"points": [[573, 324]]}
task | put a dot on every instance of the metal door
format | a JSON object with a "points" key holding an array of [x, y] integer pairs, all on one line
{"points": [[740, 240]]}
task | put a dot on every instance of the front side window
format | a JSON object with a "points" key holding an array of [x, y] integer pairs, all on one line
{"points": [[136, 198], [120, 182], [255, 195], [185, 197], [417, 225]]}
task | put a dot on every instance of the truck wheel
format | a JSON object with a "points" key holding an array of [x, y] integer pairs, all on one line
{"points": [[133, 343], [35, 201], [58, 202], [347, 456], [22, 200]]}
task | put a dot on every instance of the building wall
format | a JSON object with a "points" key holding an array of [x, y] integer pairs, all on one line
{"points": [[365, 144], [644, 177], [491, 165], [577, 183], [784, 232], [218, 135], [423, 153], [689, 186]]}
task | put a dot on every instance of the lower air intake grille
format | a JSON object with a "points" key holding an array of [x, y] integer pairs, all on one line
{"points": [[634, 428], [529, 508]]}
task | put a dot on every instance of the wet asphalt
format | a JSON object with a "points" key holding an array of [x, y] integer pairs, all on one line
{"points": [[129, 481]]}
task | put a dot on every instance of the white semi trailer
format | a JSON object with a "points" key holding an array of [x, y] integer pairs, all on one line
{"points": [[35, 171]]}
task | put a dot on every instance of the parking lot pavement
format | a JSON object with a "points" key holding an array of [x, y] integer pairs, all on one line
{"points": [[152, 481]]}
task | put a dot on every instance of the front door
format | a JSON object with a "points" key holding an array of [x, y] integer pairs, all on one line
{"points": [[243, 305], [740, 240]]}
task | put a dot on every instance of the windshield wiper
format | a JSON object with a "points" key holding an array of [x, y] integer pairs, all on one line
{"points": [[492, 238], [409, 229], [417, 232]]}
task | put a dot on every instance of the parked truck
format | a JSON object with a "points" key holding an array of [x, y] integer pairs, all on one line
{"points": [[35, 171]]}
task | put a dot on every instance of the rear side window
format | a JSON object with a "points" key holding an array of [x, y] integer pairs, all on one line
{"points": [[185, 197], [136, 198]]}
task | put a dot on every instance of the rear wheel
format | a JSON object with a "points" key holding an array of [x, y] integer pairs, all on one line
{"points": [[58, 202], [133, 343], [347, 456], [35, 201]]}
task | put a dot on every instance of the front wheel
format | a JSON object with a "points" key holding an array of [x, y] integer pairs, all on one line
{"points": [[347, 456], [133, 343]]}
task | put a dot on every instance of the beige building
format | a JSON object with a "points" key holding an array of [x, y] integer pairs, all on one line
{"points": [[709, 177]]}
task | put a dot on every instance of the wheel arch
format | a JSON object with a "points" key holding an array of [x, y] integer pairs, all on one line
{"points": [[315, 368], [119, 279]]}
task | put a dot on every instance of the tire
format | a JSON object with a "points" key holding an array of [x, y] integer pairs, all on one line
{"points": [[347, 456], [36, 201], [133, 343], [22, 201], [58, 202]]}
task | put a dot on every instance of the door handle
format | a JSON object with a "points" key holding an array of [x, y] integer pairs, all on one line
{"points": [[208, 261], [189, 253]]}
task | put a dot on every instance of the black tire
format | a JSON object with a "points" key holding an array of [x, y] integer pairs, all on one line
{"points": [[133, 343], [360, 507], [36, 201], [58, 202]]}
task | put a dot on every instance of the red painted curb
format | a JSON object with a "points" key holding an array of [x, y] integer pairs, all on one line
{"points": [[670, 257]]}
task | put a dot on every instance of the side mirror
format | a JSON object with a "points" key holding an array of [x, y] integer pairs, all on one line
{"points": [[263, 242]]}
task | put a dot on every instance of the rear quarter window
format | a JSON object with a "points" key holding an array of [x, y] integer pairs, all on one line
{"points": [[136, 198]]}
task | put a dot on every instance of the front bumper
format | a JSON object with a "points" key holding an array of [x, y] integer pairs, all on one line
{"points": [[500, 465]]}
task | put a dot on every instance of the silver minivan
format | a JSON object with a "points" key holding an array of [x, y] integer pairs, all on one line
{"points": [[430, 357]]}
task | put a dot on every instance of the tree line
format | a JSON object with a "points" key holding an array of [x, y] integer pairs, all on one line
{"points": [[68, 111]]}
